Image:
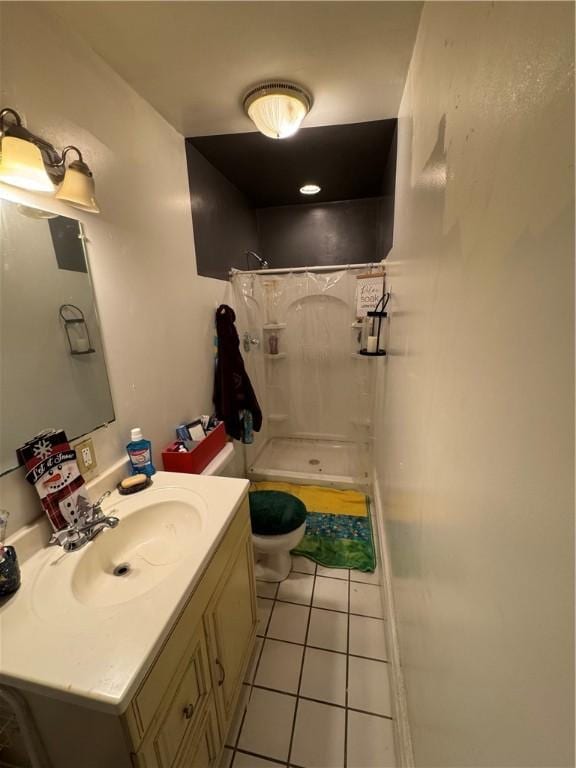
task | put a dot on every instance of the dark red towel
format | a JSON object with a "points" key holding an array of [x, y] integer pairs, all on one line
{"points": [[233, 391]]}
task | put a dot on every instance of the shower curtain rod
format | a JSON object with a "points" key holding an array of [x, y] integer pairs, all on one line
{"points": [[286, 270]]}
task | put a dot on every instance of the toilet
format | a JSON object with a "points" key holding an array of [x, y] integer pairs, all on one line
{"points": [[278, 526], [278, 521]]}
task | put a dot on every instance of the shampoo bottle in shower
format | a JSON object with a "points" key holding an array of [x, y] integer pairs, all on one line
{"points": [[273, 344]]}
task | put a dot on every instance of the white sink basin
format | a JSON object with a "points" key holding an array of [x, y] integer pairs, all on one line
{"points": [[148, 544], [160, 529]]}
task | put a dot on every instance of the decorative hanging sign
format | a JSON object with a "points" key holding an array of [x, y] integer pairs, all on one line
{"points": [[369, 292], [52, 468]]}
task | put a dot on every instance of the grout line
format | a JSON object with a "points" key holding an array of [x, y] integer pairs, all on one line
{"points": [[323, 608], [237, 740], [258, 662], [369, 658], [337, 578], [292, 695], [371, 714], [347, 677], [301, 668], [262, 757], [320, 648]]}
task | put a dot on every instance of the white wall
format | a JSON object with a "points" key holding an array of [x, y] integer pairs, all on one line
{"points": [[475, 428], [156, 313]]}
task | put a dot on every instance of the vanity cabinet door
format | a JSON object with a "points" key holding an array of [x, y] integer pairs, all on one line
{"points": [[182, 710], [205, 745], [185, 708], [230, 621]]}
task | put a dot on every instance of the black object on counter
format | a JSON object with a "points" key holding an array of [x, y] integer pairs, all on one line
{"points": [[9, 572]]}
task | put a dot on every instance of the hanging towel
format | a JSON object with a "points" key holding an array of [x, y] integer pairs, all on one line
{"points": [[233, 393]]}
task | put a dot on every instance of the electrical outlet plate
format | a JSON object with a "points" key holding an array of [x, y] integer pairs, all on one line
{"points": [[86, 457]]}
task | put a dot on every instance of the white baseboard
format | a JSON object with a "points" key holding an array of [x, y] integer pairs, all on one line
{"points": [[404, 750]]}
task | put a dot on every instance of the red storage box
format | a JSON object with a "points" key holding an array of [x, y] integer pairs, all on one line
{"points": [[199, 457]]}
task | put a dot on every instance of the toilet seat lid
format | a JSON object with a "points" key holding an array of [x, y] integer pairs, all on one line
{"points": [[273, 513]]}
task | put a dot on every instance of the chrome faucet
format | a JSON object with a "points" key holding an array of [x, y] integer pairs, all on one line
{"points": [[263, 263], [87, 528]]}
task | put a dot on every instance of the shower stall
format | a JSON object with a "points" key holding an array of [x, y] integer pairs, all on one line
{"points": [[300, 341]]}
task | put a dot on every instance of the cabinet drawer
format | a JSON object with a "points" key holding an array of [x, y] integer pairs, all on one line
{"points": [[186, 707]]}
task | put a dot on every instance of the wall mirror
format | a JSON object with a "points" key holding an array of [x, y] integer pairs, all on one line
{"points": [[52, 366]]}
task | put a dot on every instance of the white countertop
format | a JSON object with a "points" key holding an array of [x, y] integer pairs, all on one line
{"points": [[97, 655]]}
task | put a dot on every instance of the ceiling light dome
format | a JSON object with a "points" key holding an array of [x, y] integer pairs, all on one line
{"points": [[277, 107]]}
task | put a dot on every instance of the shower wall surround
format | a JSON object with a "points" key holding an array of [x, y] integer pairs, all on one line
{"points": [[315, 386], [475, 433], [141, 247]]}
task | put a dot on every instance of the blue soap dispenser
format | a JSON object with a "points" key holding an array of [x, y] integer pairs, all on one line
{"points": [[140, 453]]}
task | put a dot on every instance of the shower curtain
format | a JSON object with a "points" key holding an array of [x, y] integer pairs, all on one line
{"points": [[301, 343]]}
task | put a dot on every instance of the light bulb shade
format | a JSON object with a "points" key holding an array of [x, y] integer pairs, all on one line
{"points": [[277, 109], [78, 189], [21, 165]]}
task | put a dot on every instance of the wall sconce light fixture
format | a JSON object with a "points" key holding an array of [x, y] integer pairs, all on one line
{"points": [[29, 162], [77, 186], [76, 330], [21, 161]]}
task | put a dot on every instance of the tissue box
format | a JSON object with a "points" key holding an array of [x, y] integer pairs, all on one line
{"points": [[199, 457]]}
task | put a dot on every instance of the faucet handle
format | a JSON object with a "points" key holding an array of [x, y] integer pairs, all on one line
{"points": [[101, 499], [61, 536], [95, 509]]}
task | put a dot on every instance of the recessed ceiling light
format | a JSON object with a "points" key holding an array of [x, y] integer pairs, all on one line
{"points": [[310, 189]]}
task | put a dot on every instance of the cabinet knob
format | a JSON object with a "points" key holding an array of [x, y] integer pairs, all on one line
{"points": [[188, 711], [222, 672]]}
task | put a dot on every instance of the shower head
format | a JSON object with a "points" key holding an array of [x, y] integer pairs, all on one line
{"points": [[263, 263]]}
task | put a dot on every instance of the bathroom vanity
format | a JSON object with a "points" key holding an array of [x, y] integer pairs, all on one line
{"points": [[143, 668]]}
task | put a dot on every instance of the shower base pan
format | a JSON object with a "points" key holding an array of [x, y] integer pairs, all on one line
{"points": [[316, 462]]}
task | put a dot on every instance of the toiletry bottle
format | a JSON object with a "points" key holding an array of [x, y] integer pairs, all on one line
{"points": [[140, 453]]}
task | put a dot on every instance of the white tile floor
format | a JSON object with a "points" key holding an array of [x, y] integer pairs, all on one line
{"points": [[320, 693]]}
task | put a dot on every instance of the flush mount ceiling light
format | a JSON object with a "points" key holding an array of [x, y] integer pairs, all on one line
{"points": [[29, 162], [277, 107], [310, 189]]}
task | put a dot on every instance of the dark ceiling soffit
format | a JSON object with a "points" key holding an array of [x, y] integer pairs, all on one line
{"points": [[348, 161]]}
